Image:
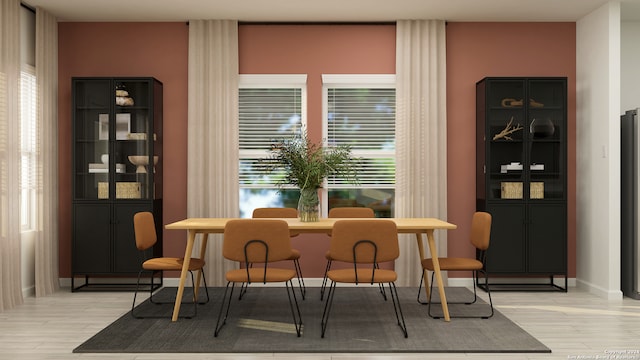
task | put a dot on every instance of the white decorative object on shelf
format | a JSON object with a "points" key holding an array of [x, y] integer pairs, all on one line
{"points": [[123, 126], [513, 166], [537, 167], [104, 168], [103, 126], [124, 101], [141, 161], [139, 136], [122, 96]]}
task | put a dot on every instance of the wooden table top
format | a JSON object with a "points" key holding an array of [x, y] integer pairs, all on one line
{"points": [[405, 225]]}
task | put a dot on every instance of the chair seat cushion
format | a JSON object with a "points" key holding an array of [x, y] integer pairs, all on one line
{"points": [[171, 263], [453, 264], [295, 254], [364, 275], [257, 275], [327, 256]]}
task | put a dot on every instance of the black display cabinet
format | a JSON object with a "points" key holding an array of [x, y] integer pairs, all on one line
{"points": [[117, 171], [521, 179]]}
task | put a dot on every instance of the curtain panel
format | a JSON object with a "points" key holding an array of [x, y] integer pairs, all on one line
{"points": [[421, 134], [212, 183], [10, 273], [46, 244]]}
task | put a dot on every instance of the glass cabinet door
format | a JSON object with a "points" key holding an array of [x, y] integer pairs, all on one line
{"points": [[92, 107], [546, 134], [506, 121], [133, 145]]}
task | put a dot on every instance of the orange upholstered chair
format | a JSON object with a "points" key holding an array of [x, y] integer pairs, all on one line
{"points": [[364, 243], [480, 238], [258, 241], [295, 254], [145, 237], [343, 212]]}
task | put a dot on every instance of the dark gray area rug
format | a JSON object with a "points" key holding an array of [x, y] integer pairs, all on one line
{"points": [[361, 321]]}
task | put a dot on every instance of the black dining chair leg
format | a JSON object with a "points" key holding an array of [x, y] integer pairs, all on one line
{"points": [[327, 307], [206, 289], [420, 290], [398, 309], [222, 306], [297, 320], [303, 288], [242, 290], [195, 303], [381, 285], [475, 298], [243, 287], [325, 279]]}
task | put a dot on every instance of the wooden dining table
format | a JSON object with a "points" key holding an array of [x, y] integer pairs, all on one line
{"points": [[417, 226]]}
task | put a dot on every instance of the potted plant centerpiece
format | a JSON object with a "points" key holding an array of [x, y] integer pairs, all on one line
{"points": [[305, 165]]}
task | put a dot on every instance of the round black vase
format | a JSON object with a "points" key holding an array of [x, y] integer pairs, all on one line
{"points": [[541, 128]]}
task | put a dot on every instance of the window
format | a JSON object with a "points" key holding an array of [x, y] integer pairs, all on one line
{"points": [[271, 107], [360, 110], [28, 148]]}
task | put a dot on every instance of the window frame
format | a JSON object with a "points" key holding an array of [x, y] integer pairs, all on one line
{"points": [[355, 81], [270, 81]]}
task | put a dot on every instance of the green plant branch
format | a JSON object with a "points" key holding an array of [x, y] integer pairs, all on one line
{"points": [[306, 164]]}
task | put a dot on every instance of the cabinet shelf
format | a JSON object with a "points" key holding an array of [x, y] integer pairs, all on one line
{"points": [[533, 173], [88, 140], [92, 108], [501, 141], [125, 109]]}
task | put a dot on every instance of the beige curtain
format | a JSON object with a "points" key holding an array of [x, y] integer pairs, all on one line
{"points": [[10, 274], [46, 244], [213, 131], [421, 130]]}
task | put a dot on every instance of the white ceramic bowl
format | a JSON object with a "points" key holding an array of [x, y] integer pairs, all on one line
{"points": [[141, 160]]}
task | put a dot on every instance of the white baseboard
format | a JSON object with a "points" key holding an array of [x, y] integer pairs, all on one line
{"points": [[29, 292], [317, 282], [600, 292]]}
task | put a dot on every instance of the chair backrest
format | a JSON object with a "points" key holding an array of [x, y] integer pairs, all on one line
{"points": [[351, 212], [144, 227], [275, 212], [481, 230], [347, 233], [272, 235]]}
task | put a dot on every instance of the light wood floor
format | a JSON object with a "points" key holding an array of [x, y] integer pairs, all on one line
{"points": [[575, 325]]}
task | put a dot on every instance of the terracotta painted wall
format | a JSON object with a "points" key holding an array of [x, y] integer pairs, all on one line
{"points": [[127, 49], [474, 50], [478, 50]]}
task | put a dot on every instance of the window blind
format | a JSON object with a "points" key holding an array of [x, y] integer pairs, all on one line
{"points": [[364, 118], [28, 146], [266, 115]]}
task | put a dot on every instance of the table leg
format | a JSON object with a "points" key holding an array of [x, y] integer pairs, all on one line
{"points": [[425, 278], [436, 270], [203, 249], [183, 275]]}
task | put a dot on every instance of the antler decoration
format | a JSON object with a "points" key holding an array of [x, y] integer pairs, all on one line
{"points": [[508, 130]]}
